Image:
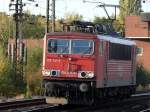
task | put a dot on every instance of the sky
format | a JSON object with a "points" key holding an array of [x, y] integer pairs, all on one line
{"points": [[87, 10]]}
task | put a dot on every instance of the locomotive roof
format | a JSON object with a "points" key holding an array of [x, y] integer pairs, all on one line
{"points": [[116, 40], [71, 34], [109, 38]]}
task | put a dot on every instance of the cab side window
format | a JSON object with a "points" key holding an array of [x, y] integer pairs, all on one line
{"points": [[139, 51], [101, 48], [119, 51]]}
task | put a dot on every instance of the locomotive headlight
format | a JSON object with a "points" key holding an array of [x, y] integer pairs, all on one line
{"points": [[85, 74], [51, 72], [55, 72], [90, 74], [46, 73]]}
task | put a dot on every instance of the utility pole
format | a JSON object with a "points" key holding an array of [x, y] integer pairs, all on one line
{"points": [[110, 5], [18, 64], [103, 5], [47, 17], [18, 51], [53, 15]]}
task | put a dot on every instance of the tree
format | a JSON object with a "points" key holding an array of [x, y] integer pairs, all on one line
{"points": [[103, 20], [142, 75], [33, 26], [7, 85], [33, 74], [128, 7], [69, 17], [5, 28]]}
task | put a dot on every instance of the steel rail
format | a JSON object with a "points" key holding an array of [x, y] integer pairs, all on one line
{"points": [[40, 105], [107, 104], [40, 108], [103, 105], [98, 106], [22, 103]]}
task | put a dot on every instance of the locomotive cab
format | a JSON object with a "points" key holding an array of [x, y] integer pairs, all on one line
{"points": [[69, 57], [85, 67], [69, 63]]}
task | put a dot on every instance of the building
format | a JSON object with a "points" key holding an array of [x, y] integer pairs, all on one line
{"points": [[138, 29]]}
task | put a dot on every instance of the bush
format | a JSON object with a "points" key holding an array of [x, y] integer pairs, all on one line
{"points": [[142, 75], [7, 86], [33, 74], [33, 78]]}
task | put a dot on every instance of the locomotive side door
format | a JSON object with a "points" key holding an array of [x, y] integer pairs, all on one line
{"points": [[101, 68], [119, 64]]}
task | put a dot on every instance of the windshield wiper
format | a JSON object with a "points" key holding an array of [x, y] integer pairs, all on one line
{"points": [[87, 51], [64, 50]]}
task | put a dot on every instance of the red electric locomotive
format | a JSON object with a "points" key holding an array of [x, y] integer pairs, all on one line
{"points": [[83, 67]]}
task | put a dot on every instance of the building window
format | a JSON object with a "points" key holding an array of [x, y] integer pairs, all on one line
{"points": [[148, 26], [119, 52], [139, 51]]}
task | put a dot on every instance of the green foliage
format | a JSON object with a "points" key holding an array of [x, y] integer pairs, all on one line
{"points": [[7, 86], [142, 75], [103, 20], [35, 58], [33, 75], [129, 7], [69, 17], [33, 26], [5, 28], [58, 25]]}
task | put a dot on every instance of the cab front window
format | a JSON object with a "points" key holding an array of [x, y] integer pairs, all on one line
{"points": [[58, 46], [64, 46], [82, 47]]}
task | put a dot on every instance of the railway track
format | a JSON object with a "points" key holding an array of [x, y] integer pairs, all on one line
{"points": [[134, 104], [131, 105], [28, 105], [31, 105], [40, 105], [40, 108], [22, 103]]}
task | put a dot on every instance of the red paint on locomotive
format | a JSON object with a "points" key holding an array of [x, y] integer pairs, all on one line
{"points": [[69, 65], [90, 64]]}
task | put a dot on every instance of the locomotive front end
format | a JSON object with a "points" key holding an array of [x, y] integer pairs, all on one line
{"points": [[68, 66]]}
